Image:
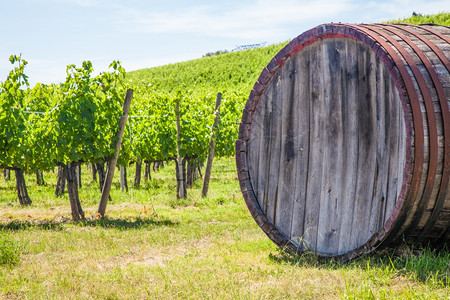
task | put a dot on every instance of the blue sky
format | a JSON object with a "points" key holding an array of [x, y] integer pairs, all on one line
{"points": [[51, 34]]}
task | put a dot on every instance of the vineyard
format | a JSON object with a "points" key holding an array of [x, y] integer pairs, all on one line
{"points": [[73, 123]]}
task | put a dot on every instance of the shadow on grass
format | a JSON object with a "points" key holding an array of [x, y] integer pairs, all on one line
{"points": [[24, 225], [125, 224], [121, 224], [7, 188], [306, 259], [426, 265]]}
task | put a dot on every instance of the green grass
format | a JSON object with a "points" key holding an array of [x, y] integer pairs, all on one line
{"points": [[9, 252], [195, 248]]}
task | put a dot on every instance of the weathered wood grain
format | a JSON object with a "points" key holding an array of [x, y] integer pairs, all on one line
{"points": [[271, 189], [316, 151], [289, 153], [331, 207], [350, 140], [302, 119]]}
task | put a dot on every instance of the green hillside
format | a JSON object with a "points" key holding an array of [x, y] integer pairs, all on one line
{"points": [[216, 73], [442, 18], [194, 84]]}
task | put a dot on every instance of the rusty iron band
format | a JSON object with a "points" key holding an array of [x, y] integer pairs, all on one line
{"points": [[432, 31], [446, 126], [431, 121]]}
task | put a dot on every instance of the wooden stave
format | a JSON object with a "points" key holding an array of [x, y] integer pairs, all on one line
{"points": [[309, 37]]}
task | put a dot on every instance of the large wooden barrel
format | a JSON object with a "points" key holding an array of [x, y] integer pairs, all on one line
{"points": [[344, 143]]}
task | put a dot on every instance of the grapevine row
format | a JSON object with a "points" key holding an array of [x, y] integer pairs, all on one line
{"points": [[64, 125]]}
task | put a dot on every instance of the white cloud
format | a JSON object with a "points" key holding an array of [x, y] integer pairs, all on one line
{"points": [[82, 3], [420, 6], [404, 8], [268, 18], [261, 18]]}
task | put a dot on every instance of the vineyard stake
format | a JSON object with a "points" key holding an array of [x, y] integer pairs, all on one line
{"points": [[110, 172], [212, 145], [180, 171]]}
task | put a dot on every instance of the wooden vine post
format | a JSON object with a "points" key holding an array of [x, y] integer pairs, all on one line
{"points": [[112, 165], [212, 145], [180, 162]]}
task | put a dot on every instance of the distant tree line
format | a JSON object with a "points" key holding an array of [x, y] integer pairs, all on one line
{"points": [[218, 52]]}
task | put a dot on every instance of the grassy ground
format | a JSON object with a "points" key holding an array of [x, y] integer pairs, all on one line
{"points": [[154, 246]]}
